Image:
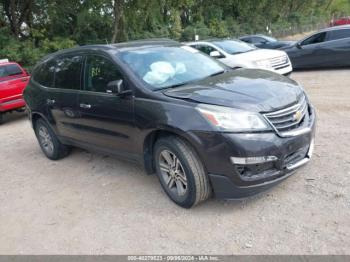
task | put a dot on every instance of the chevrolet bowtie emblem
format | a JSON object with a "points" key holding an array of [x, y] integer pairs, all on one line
{"points": [[297, 116]]}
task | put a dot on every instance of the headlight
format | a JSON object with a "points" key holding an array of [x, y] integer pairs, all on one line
{"points": [[234, 120], [263, 63]]}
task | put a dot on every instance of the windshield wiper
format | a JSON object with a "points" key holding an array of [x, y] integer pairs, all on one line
{"points": [[172, 86], [217, 73], [189, 82]]}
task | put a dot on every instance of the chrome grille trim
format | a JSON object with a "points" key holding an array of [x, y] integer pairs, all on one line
{"points": [[285, 120], [279, 61]]}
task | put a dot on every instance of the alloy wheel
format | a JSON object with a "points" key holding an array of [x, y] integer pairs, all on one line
{"points": [[173, 173], [46, 139]]}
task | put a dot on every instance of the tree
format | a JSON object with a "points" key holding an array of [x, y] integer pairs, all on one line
{"points": [[118, 18], [19, 14]]}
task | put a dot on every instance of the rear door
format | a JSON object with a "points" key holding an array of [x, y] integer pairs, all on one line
{"points": [[106, 121], [13, 80], [339, 47], [62, 99]]}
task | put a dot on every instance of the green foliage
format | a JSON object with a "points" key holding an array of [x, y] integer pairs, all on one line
{"points": [[26, 52], [49, 25]]}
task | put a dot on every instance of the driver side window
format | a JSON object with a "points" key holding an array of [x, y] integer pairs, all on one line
{"points": [[207, 49], [315, 39], [100, 71], [258, 40]]}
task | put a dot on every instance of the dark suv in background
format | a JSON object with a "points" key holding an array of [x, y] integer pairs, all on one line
{"points": [[202, 127], [329, 47]]}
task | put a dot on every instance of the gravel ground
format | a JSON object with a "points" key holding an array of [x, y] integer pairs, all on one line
{"points": [[93, 204]]}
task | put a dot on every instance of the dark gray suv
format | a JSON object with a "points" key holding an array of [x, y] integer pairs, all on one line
{"points": [[201, 127]]}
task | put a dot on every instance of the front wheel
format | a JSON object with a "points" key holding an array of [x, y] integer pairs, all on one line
{"points": [[48, 141], [181, 172]]}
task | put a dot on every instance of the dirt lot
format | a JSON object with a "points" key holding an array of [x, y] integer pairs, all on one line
{"points": [[92, 204]]}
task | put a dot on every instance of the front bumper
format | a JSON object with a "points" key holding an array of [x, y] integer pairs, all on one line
{"points": [[225, 188], [234, 181]]}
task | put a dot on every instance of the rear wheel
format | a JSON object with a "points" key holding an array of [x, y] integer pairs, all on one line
{"points": [[180, 172], [49, 142]]}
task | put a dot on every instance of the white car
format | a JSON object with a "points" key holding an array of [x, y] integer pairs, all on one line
{"points": [[238, 54]]}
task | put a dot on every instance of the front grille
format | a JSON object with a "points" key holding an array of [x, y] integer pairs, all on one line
{"points": [[256, 172], [279, 62], [289, 118]]}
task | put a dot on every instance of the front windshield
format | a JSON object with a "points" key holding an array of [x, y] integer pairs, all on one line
{"points": [[164, 67], [234, 46]]}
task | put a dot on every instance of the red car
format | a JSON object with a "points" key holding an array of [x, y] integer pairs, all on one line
{"points": [[13, 80], [340, 21]]}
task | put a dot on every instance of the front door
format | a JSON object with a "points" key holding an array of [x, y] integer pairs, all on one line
{"points": [[106, 120], [311, 51]]}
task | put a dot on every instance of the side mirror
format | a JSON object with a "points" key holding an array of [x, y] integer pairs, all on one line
{"points": [[215, 54], [298, 45], [117, 87]]}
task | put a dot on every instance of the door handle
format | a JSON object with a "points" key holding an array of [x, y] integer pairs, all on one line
{"points": [[86, 106], [50, 102]]}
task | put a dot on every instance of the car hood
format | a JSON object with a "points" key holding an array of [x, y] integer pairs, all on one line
{"points": [[287, 45], [280, 44], [247, 89]]}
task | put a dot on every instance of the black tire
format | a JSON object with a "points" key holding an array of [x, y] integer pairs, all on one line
{"points": [[53, 149], [196, 187], [1, 118]]}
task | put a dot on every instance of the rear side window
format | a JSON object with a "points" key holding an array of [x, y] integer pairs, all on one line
{"points": [[10, 70], [247, 40], [339, 34], [44, 75], [67, 72], [258, 40]]}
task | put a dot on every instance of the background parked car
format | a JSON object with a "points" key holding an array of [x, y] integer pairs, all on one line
{"points": [[329, 47], [263, 41], [13, 80], [238, 54], [340, 21]]}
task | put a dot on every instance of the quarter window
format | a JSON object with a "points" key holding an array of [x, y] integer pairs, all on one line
{"points": [[100, 71], [67, 72], [44, 75]]}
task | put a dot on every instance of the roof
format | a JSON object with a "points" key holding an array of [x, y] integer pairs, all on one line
{"points": [[146, 43], [256, 35], [335, 28], [131, 45], [212, 40]]}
